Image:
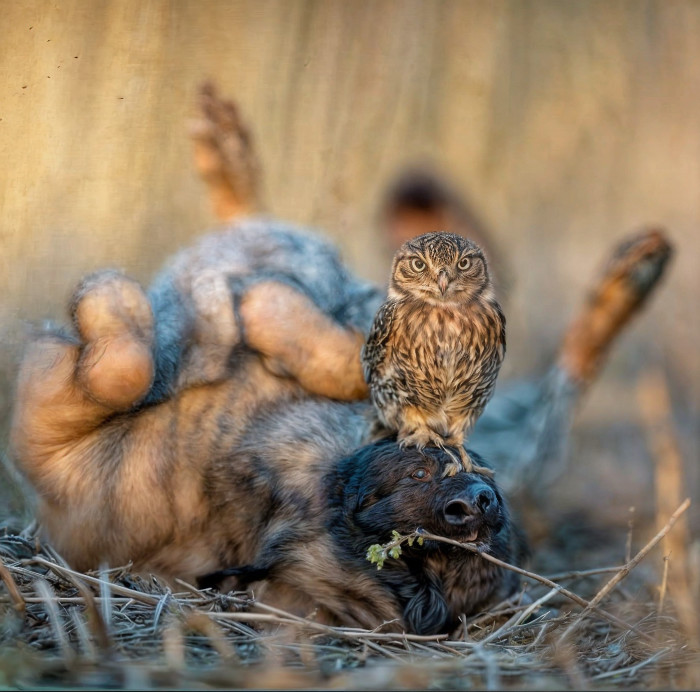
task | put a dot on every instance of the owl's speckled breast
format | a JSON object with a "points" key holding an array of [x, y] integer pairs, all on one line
{"points": [[446, 356]]}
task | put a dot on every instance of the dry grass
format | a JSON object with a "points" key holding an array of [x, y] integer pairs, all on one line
{"points": [[114, 628]]}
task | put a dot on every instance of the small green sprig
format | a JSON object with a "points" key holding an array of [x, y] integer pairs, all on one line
{"points": [[378, 553]]}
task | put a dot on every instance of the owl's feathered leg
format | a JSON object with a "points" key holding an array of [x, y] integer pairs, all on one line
{"points": [[452, 445], [456, 465]]}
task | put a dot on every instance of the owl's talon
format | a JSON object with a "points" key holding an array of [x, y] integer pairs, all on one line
{"points": [[467, 464], [470, 467], [483, 470], [452, 468]]}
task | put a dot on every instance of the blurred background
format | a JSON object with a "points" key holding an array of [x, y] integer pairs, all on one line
{"points": [[563, 126]]}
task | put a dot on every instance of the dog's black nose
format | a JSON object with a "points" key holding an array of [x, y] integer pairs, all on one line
{"points": [[485, 499], [479, 500], [457, 511]]}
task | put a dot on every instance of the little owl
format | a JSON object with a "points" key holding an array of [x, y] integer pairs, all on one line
{"points": [[437, 343]]}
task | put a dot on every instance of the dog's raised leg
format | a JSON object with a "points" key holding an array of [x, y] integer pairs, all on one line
{"points": [[292, 334], [68, 386], [225, 157], [300, 341]]}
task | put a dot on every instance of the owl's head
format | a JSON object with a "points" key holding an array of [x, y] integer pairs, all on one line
{"points": [[440, 268]]}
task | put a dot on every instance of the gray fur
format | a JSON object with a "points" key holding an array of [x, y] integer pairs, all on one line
{"points": [[250, 251]]}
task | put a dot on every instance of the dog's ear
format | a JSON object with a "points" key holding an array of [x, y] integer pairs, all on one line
{"points": [[426, 612], [366, 494], [352, 485]]}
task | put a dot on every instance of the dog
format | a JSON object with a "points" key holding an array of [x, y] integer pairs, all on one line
{"points": [[310, 514], [249, 472]]}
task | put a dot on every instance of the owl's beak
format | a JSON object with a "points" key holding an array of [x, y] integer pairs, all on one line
{"points": [[443, 281]]}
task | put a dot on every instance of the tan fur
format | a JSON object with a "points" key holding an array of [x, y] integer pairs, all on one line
{"points": [[102, 499], [299, 340], [625, 285]]}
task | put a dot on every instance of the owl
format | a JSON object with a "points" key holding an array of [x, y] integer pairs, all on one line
{"points": [[436, 345]]}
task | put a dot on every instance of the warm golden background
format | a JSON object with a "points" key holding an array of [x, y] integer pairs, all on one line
{"points": [[567, 123]]}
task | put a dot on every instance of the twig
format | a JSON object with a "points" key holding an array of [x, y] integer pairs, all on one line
{"points": [[95, 619], [627, 568], [383, 650], [540, 635], [580, 574], [162, 602], [531, 575], [633, 669], [516, 619], [12, 587], [206, 626], [344, 632], [628, 542], [657, 414], [122, 601], [105, 595], [191, 589], [44, 590], [664, 582], [83, 636], [533, 607], [115, 588]]}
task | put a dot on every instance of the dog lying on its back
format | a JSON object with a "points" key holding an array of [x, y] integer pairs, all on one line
{"points": [[250, 472], [196, 432]]}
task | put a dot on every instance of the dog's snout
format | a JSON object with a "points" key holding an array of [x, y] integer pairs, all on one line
{"points": [[457, 511], [479, 501]]}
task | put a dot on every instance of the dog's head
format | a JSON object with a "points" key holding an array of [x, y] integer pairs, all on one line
{"points": [[392, 489], [382, 488]]}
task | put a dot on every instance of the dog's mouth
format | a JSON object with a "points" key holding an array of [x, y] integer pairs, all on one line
{"points": [[472, 530], [472, 534]]}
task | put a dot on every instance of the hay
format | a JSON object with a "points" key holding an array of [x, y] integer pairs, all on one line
{"points": [[113, 628]]}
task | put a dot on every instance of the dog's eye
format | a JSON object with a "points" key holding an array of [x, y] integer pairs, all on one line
{"points": [[464, 263], [421, 474], [417, 264]]}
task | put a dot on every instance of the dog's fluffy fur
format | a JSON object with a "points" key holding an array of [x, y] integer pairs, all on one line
{"points": [[241, 468]]}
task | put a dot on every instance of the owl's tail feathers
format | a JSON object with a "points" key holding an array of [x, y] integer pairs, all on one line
{"points": [[628, 280], [225, 157]]}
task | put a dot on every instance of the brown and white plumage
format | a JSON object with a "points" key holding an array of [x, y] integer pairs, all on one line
{"points": [[434, 351]]}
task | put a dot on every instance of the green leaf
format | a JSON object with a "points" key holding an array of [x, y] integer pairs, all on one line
{"points": [[376, 554]]}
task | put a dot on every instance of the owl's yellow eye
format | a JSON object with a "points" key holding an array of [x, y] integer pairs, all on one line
{"points": [[417, 265], [464, 263], [421, 474]]}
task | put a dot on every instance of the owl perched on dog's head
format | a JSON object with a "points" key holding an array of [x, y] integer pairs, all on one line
{"points": [[437, 343]]}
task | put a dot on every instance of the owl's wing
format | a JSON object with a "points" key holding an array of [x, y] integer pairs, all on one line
{"points": [[374, 350]]}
